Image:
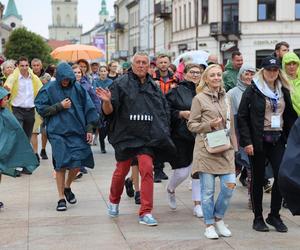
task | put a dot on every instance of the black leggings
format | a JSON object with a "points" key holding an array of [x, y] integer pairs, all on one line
{"points": [[102, 135], [274, 153]]}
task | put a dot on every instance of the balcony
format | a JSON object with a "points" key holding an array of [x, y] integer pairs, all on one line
{"points": [[119, 27], [163, 9], [224, 31]]}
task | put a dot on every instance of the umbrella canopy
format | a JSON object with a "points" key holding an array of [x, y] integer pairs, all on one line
{"points": [[74, 52], [194, 56]]}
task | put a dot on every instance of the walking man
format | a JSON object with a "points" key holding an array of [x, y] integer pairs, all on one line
{"points": [[70, 115], [139, 128]]}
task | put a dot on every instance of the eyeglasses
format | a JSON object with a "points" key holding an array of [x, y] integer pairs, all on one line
{"points": [[196, 73]]}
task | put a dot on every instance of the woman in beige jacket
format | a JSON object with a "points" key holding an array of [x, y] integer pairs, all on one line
{"points": [[208, 114]]}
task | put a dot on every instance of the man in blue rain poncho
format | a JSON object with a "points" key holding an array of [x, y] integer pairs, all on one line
{"points": [[15, 149], [70, 115]]}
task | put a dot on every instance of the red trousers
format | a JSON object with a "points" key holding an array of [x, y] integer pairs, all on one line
{"points": [[146, 172]]}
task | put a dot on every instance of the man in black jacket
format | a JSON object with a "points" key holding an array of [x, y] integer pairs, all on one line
{"points": [[139, 127]]}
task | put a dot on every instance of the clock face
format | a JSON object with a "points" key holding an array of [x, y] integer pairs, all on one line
{"points": [[13, 25]]}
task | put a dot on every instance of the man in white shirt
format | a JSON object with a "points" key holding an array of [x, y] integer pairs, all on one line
{"points": [[23, 85]]}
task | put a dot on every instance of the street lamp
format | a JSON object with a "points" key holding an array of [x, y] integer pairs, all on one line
{"points": [[106, 27]]}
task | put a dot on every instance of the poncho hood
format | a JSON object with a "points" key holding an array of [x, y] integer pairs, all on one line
{"points": [[64, 71]]}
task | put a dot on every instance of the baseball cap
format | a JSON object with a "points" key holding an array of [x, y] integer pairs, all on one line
{"points": [[270, 62]]}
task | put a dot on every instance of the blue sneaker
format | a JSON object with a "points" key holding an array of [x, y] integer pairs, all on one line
{"points": [[113, 210], [148, 220]]}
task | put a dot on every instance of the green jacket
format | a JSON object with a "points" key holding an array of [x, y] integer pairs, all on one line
{"points": [[295, 93], [230, 76]]}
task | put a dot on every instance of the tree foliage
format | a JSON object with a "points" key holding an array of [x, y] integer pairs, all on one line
{"points": [[22, 42]]}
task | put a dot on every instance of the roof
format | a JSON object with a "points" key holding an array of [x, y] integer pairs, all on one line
{"points": [[11, 10], [56, 43], [103, 11]]}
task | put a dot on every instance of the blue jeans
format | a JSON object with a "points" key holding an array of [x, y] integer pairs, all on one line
{"points": [[217, 210]]}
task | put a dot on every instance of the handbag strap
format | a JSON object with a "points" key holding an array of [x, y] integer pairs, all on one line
{"points": [[227, 101]]}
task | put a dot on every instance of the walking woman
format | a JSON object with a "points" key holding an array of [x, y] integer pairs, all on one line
{"points": [[211, 120], [265, 117], [180, 102]]}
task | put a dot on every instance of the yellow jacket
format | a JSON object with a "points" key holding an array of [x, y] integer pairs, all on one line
{"points": [[12, 83]]}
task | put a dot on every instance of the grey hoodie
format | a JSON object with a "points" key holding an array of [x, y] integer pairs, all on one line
{"points": [[236, 93]]}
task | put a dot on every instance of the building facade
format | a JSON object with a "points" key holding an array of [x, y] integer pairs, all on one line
{"points": [[64, 21], [253, 27]]}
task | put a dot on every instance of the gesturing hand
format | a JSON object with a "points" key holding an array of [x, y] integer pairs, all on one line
{"points": [[103, 94], [66, 103]]}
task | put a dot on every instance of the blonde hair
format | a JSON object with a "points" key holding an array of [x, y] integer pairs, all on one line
{"points": [[203, 81], [281, 76]]}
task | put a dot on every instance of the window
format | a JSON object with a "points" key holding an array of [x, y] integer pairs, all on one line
{"points": [[266, 10], [297, 51], [260, 54], [204, 9], [297, 10], [175, 21]]}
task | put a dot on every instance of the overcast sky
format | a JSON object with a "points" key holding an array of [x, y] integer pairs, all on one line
{"points": [[37, 13]]}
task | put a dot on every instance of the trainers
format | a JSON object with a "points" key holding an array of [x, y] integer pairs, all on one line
{"points": [[171, 199], [43, 154], [137, 198], [70, 196], [83, 170], [277, 223], [129, 187], [260, 225], [113, 210], [211, 233], [103, 151], [26, 171], [61, 205], [222, 230], [284, 204], [243, 181], [78, 176], [148, 220], [198, 211]]}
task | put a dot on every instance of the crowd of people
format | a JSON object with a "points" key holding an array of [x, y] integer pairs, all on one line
{"points": [[205, 120]]}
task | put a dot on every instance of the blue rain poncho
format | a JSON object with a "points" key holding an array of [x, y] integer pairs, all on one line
{"points": [[15, 148], [67, 128]]}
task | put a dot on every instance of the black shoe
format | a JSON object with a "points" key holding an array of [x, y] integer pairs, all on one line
{"points": [[70, 196], [163, 176], [25, 171], [61, 205], [79, 175], [1, 204], [43, 154], [243, 181], [260, 225], [277, 223], [103, 151], [137, 198], [129, 187], [157, 177]]}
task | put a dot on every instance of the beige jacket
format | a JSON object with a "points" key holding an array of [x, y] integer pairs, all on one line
{"points": [[205, 107]]}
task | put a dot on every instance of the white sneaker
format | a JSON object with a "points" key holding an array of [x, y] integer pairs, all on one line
{"points": [[198, 211], [222, 229], [172, 200], [210, 233]]}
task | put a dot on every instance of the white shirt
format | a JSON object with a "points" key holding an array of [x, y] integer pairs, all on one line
{"points": [[25, 96]]}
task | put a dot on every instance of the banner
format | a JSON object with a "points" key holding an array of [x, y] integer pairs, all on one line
{"points": [[99, 42]]}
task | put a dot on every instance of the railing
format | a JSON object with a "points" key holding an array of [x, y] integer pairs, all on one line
{"points": [[119, 27], [225, 28]]}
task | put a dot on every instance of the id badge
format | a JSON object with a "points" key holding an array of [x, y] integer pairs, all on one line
{"points": [[275, 121]]}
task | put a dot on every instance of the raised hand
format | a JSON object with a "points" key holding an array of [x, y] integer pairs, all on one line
{"points": [[66, 103], [103, 94]]}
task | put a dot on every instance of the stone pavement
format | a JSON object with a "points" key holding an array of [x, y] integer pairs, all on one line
{"points": [[29, 220]]}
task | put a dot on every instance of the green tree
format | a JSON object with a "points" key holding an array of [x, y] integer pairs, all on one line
{"points": [[22, 42]]}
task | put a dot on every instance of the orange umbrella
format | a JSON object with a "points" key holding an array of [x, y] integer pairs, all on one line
{"points": [[74, 52]]}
